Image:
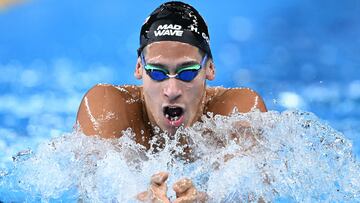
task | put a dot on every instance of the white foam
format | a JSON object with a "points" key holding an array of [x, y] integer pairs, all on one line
{"points": [[289, 155]]}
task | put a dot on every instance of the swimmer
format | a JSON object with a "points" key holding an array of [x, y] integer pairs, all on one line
{"points": [[174, 62]]}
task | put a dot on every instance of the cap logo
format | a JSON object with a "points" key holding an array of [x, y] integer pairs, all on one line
{"points": [[168, 30], [194, 29], [175, 21], [206, 38]]}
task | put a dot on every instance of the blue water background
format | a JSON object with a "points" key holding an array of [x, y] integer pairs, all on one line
{"points": [[297, 54]]}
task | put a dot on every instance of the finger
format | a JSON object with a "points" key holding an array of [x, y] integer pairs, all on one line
{"points": [[155, 194], [143, 196], [202, 197], [183, 200], [199, 197], [158, 187], [159, 178], [187, 197], [158, 195], [157, 190], [182, 185]]}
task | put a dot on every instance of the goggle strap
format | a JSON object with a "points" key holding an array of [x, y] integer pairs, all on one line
{"points": [[203, 61], [143, 59]]}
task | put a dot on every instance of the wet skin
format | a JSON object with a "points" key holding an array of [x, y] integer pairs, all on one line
{"points": [[173, 92], [184, 189], [107, 110]]}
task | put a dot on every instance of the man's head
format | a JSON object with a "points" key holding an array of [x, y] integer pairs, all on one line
{"points": [[175, 21], [174, 62]]}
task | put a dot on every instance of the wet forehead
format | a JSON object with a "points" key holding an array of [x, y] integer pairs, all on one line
{"points": [[171, 53]]}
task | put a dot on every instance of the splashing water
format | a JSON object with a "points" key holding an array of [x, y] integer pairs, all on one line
{"points": [[290, 155]]}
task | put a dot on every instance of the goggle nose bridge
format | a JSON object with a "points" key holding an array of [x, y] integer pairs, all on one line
{"points": [[172, 76]]}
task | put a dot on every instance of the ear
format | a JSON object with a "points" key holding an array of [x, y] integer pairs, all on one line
{"points": [[138, 69], [210, 70]]}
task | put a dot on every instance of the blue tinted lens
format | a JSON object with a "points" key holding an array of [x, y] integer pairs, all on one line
{"points": [[187, 75], [157, 74]]}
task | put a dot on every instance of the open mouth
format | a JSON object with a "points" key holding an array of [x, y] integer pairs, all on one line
{"points": [[174, 115]]}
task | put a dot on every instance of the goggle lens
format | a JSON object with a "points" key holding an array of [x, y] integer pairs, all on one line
{"points": [[186, 74], [189, 74], [156, 74]]}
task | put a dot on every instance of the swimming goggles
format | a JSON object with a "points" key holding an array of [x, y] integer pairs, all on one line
{"points": [[185, 74]]}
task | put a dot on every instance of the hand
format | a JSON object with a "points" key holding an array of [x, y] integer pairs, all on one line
{"points": [[157, 190], [187, 193], [184, 189]]}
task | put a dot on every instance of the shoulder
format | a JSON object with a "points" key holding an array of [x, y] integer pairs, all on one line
{"points": [[105, 90], [106, 110], [224, 100], [104, 97]]}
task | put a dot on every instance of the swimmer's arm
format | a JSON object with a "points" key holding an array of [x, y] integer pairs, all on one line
{"points": [[243, 99], [103, 111]]}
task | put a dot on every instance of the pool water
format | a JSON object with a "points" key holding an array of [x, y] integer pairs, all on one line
{"points": [[283, 157], [301, 56]]}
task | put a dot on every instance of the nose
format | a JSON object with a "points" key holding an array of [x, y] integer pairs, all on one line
{"points": [[172, 90]]}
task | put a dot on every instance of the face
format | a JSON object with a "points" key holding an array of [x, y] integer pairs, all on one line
{"points": [[172, 103]]}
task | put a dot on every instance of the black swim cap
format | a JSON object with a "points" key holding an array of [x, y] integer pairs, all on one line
{"points": [[175, 21]]}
